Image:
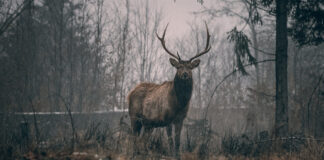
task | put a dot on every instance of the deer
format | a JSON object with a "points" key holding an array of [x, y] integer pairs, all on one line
{"points": [[165, 105]]}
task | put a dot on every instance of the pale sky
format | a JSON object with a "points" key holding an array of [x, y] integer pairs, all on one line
{"points": [[179, 13]]}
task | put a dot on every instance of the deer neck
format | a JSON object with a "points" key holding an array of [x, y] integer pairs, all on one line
{"points": [[183, 90]]}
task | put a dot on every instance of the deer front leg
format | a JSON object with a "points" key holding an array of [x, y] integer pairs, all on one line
{"points": [[178, 128], [170, 138], [136, 130], [136, 126]]}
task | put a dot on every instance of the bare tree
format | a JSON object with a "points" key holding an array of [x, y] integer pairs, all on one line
{"points": [[146, 23]]}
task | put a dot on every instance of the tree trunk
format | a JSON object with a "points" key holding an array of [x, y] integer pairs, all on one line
{"points": [[257, 107], [124, 50], [281, 120], [199, 71]]}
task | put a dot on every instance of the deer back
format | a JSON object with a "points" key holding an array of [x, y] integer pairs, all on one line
{"points": [[154, 104]]}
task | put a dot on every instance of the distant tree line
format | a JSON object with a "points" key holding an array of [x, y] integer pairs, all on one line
{"points": [[53, 57]]}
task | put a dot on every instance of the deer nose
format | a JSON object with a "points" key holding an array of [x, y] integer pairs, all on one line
{"points": [[185, 75]]}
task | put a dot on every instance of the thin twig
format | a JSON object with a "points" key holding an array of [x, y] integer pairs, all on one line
{"points": [[310, 99], [6, 24], [264, 52], [68, 108], [227, 76], [261, 93], [35, 119]]}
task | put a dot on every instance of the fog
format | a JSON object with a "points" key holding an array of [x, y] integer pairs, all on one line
{"points": [[68, 68]]}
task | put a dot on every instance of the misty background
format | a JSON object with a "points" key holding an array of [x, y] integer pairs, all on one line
{"points": [[80, 58]]}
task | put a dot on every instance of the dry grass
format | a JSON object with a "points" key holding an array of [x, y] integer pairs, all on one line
{"points": [[313, 150], [184, 156], [92, 150], [108, 144]]}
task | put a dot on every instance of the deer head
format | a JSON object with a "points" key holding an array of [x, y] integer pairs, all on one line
{"points": [[184, 67]]}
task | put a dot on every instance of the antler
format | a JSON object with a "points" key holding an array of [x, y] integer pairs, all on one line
{"points": [[163, 44], [207, 48]]}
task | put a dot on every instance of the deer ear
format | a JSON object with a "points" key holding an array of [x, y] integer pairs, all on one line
{"points": [[195, 64], [174, 62]]}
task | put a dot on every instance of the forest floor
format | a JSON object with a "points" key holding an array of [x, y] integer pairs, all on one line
{"points": [[106, 155]]}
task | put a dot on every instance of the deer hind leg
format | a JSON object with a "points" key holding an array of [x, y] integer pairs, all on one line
{"points": [[146, 138], [178, 128], [170, 138]]}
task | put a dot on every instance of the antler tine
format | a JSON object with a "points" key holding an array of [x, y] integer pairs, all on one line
{"points": [[163, 44], [207, 48]]}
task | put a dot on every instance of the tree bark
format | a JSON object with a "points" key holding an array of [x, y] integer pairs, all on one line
{"points": [[281, 115]]}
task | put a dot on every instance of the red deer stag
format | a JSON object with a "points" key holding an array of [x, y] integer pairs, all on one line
{"points": [[163, 105]]}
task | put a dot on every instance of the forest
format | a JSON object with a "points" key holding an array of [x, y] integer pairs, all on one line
{"points": [[71, 73]]}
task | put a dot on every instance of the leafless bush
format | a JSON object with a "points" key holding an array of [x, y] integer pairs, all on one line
{"points": [[237, 145], [200, 139], [98, 135], [296, 146], [313, 150], [91, 131]]}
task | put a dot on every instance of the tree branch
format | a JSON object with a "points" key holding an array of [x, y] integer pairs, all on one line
{"points": [[229, 75], [13, 16], [311, 97], [264, 52]]}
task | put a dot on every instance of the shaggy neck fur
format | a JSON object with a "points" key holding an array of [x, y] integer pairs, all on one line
{"points": [[183, 89]]}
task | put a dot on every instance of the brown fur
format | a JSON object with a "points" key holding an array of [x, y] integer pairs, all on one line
{"points": [[155, 105]]}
